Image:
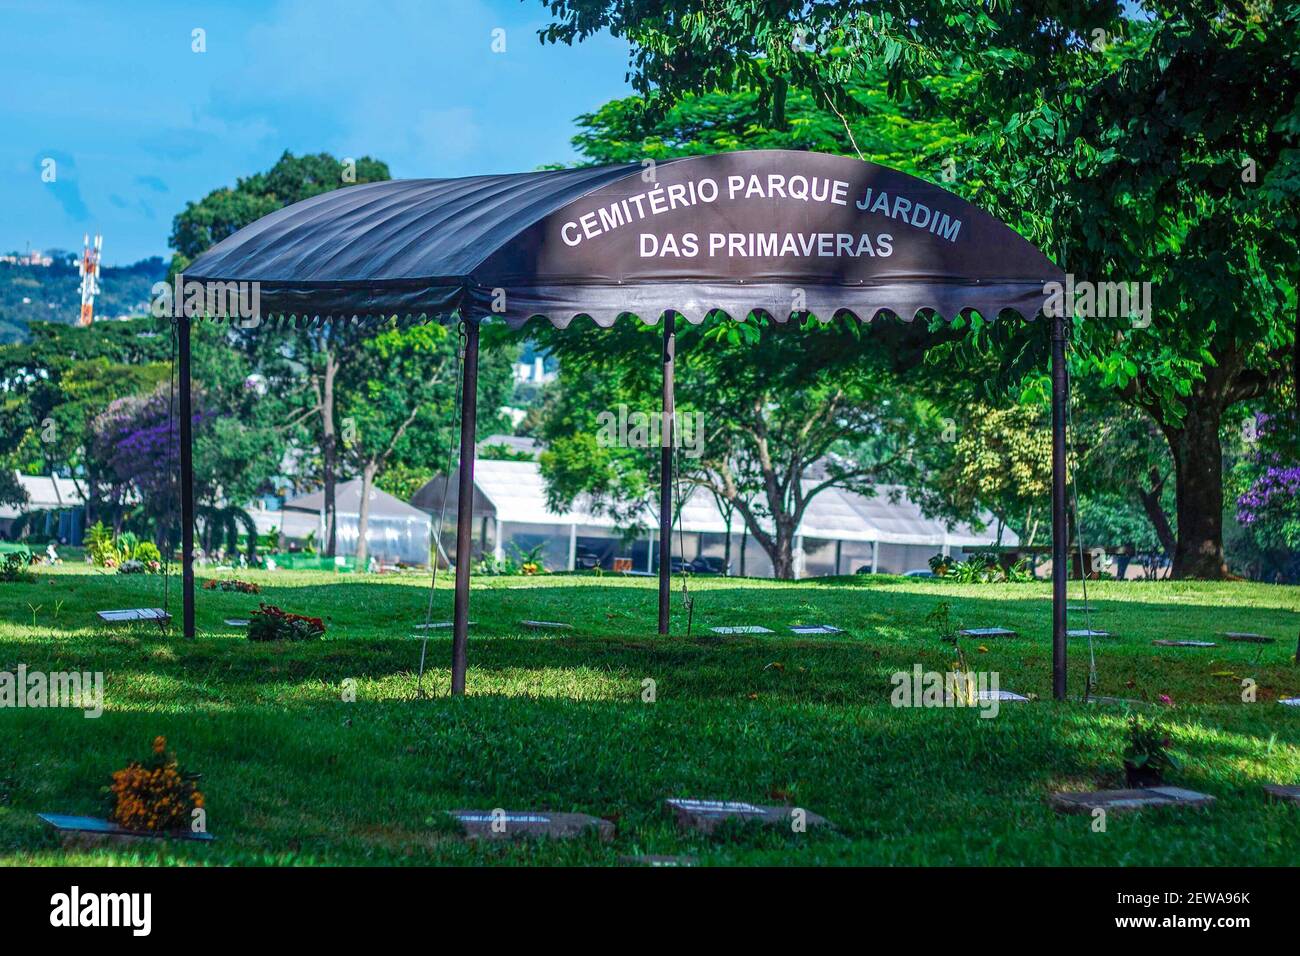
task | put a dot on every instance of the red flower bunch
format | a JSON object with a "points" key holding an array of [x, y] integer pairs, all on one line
{"points": [[270, 623], [232, 584]]}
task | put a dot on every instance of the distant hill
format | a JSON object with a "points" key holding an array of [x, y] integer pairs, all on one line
{"points": [[49, 294]]}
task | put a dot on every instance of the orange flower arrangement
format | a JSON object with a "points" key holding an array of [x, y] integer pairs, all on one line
{"points": [[155, 795]]}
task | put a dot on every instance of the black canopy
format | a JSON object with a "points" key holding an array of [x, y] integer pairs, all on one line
{"points": [[772, 231], [769, 230]]}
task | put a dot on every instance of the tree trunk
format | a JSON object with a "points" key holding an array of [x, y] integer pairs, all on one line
{"points": [[1156, 514], [363, 513], [782, 554], [329, 453], [1198, 472]]}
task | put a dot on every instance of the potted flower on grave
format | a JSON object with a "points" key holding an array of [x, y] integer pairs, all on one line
{"points": [[1146, 757], [155, 795], [270, 623]]}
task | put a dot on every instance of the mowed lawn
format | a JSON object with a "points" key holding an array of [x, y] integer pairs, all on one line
{"points": [[294, 774]]}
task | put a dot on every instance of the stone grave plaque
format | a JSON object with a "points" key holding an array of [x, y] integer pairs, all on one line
{"points": [[706, 815], [547, 625], [1117, 702], [987, 632], [654, 860], [236, 622], [1006, 696], [93, 829], [1184, 644], [815, 629], [1116, 801], [1290, 701], [1087, 632], [135, 614], [741, 629], [440, 625], [515, 824], [1283, 793], [1242, 637]]}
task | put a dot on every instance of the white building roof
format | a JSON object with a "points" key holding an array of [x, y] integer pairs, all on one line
{"points": [[44, 493], [516, 492]]}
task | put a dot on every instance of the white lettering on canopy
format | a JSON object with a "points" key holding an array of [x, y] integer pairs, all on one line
{"points": [[771, 186], [767, 245]]}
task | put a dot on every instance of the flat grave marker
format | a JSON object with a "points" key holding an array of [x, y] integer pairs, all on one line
{"points": [[742, 629], [236, 622], [707, 815], [440, 625], [1087, 632], [93, 829], [1184, 644], [1125, 800], [1243, 637], [1290, 701], [656, 860], [1117, 702], [1283, 793], [816, 629], [547, 625], [515, 824], [987, 632], [1005, 696], [134, 614]]}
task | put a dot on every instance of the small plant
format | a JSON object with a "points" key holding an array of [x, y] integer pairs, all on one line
{"points": [[941, 622], [14, 569], [1147, 757], [941, 564], [155, 795], [270, 623]]}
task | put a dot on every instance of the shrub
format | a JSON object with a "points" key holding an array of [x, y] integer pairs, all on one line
{"points": [[270, 623], [156, 795], [14, 568]]}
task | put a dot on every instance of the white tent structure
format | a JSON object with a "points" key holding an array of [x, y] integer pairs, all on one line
{"points": [[395, 532], [842, 531], [58, 497]]}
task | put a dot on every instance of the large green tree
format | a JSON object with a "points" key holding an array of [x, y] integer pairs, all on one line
{"points": [[1159, 148], [397, 403], [314, 356]]}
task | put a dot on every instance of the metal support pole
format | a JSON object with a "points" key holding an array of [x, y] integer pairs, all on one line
{"points": [[465, 507], [187, 475], [666, 474], [1060, 526]]}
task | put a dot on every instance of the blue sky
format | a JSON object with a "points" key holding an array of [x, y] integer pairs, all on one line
{"points": [[138, 124]]}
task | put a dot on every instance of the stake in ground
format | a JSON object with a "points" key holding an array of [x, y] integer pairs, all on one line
{"points": [[559, 721]]}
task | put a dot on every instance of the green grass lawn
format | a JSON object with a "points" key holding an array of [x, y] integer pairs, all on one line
{"points": [[293, 774]]}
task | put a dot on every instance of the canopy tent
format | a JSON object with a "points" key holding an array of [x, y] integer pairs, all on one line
{"points": [[779, 232], [395, 531]]}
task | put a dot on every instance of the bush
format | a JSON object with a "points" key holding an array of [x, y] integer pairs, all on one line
{"points": [[270, 623], [14, 568]]}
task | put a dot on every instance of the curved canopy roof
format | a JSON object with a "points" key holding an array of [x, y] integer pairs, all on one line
{"points": [[772, 230]]}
